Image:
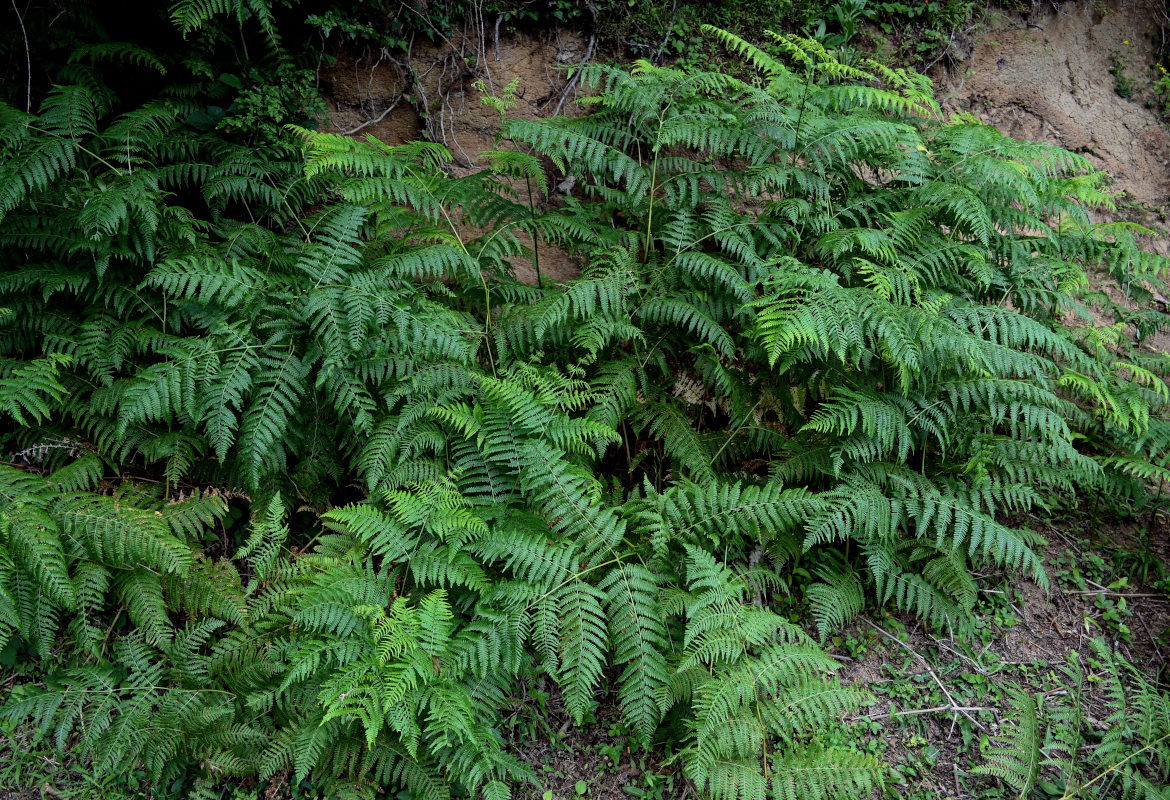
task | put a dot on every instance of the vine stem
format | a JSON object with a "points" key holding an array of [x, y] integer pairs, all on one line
{"points": [[27, 60]]}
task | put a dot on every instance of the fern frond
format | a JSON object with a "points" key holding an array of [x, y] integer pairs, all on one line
{"points": [[1017, 759]]}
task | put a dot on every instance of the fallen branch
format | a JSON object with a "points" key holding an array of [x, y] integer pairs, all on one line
{"points": [[935, 710], [926, 664], [1110, 593]]}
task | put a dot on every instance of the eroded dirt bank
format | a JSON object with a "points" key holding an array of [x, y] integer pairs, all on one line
{"points": [[1043, 76], [1046, 77]]}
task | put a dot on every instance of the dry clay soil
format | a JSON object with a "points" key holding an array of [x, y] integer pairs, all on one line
{"points": [[1043, 76]]}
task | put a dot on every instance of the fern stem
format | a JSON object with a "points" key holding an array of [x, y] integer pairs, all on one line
{"points": [[86, 150], [119, 689], [487, 295], [535, 238], [653, 184], [1154, 512], [800, 113], [1117, 766], [736, 430], [577, 575]]}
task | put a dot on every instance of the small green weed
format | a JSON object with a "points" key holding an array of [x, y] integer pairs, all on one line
{"points": [[1122, 83]]}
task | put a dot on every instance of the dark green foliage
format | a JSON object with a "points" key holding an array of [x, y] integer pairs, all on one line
{"points": [[813, 324]]}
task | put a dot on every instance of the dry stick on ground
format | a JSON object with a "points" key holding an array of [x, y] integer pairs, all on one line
{"points": [[955, 707], [1109, 593], [1023, 619], [934, 710], [950, 41], [1149, 634], [401, 69], [975, 665]]}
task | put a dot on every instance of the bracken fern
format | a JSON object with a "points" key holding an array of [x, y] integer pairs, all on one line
{"points": [[814, 323]]}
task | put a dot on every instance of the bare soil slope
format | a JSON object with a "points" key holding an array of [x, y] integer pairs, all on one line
{"points": [[1046, 77]]}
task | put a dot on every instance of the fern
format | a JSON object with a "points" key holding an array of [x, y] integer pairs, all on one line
{"points": [[1017, 759], [1047, 737], [302, 478]]}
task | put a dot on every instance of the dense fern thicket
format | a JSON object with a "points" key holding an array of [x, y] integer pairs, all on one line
{"points": [[301, 480]]}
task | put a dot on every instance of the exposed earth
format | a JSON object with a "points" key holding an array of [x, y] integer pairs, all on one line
{"points": [[1045, 76]]}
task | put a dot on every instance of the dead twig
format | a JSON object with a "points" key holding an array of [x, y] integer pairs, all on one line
{"points": [[28, 59], [666, 39], [1023, 619], [572, 84], [411, 8], [947, 49], [1150, 635], [926, 664], [577, 70], [1111, 593], [975, 665], [936, 710], [373, 121]]}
